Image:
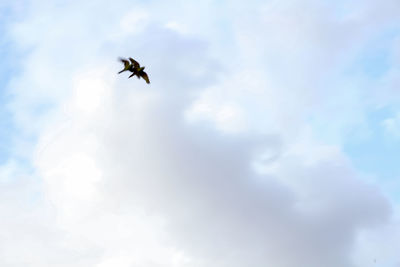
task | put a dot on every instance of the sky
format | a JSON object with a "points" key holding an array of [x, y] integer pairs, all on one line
{"points": [[268, 137]]}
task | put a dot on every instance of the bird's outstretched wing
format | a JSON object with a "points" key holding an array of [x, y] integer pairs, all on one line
{"points": [[145, 77], [127, 65], [126, 62], [134, 63]]}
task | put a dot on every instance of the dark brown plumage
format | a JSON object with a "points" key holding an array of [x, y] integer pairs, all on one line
{"points": [[134, 67]]}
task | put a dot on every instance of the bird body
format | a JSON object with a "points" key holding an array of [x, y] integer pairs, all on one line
{"points": [[134, 67]]}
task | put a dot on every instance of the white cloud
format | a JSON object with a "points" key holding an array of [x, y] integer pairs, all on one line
{"points": [[392, 126], [127, 180]]}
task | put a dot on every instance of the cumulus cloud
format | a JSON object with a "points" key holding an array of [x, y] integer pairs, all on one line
{"points": [[214, 164]]}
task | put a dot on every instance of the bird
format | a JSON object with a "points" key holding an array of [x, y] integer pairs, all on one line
{"points": [[127, 65], [134, 67]]}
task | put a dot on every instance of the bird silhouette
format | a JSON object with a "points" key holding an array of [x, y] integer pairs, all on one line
{"points": [[134, 67]]}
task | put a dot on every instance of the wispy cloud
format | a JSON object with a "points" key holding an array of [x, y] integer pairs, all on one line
{"points": [[392, 126]]}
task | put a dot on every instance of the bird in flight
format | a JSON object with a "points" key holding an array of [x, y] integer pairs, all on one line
{"points": [[134, 67]]}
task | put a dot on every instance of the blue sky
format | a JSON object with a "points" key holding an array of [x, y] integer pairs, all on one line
{"points": [[269, 135], [5, 70]]}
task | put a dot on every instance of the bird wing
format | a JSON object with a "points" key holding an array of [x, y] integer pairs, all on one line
{"points": [[126, 62], [134, 63], [144, 76]]}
